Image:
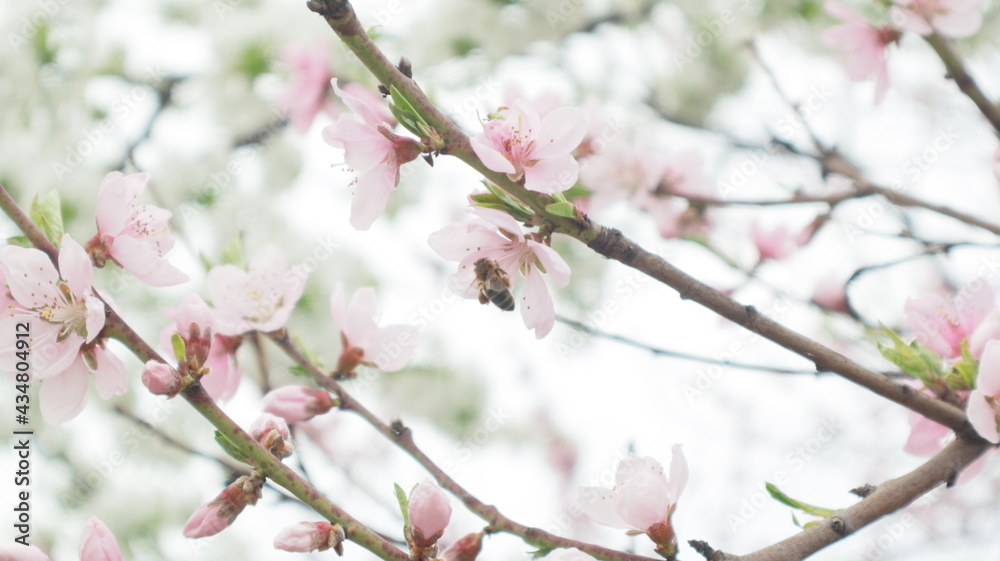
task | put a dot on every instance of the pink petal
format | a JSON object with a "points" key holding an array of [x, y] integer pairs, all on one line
{"points": [[360, 326], [31, 277], [925, 436], [958, 24], [499, 218], [988, 379], [429, 510], [393, 347], [644, 501], [633, 466], [678, 473], [112, 204], [370, 108], [75, 267], [458, 240], [552, 175], [52, 356], [94, 316], [142, 260], [560, 132], [364, 146], [987, 331], [110, 377], [224, 379], [491, 157], [537, 309], [601, 506], [338, 306], [303, 537], [555, 266], [982, 417], [98, 543], [371, 195], [18, 552], [63, 396]]}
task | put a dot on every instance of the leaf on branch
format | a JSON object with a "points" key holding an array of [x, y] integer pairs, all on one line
{"points": [[965, 369], [229, 448], [19, 241], [404, 504], [781, 497], [46, 213], [542, 552], [499, 199], [914, 359], [565, 209]]}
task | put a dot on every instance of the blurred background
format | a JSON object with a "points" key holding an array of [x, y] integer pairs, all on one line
{"points": [[196, 94]]}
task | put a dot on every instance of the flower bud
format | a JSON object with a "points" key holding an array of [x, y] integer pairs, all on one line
{"points": [[216, 515], [17, 552], [297, 403], [429, 513], [98, 543], [311, 536], [162, 379], [272, 433], [465, 549]]}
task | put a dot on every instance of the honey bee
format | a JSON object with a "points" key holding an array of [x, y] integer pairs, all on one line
{"points": [[494, 286]]}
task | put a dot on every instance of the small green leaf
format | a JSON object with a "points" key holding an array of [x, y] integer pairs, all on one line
{"points": [[914, 359], [179, 346], [406, 114], [504, 201], [781, 497], [299, 371], [404, 504], [19, 241], [46, 213], [232, 252], [966, 368], [565, 209], [542, 552], [229, 448]]}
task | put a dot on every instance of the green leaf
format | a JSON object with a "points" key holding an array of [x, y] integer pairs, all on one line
{"points": [[229, 448], [502, 200], [914, 359], [179, 346], [404, 504], [966, 368], [232, 252], [19, 241], [564, 209], [46, 213], [406, 114], [542, 552], [781, 497]]}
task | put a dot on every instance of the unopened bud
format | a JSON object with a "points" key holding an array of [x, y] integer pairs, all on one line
{"points": [[162, 379], [272, 433], [297, 403], [217, 514]]}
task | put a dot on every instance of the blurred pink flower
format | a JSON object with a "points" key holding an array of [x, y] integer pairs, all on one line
{"points": [[643, 498], [134, 236], [297, 403], [952, 18], [64, 395], [941, 324], [309, 536], [258, 298], [387, 348], [61, 305], [217, 514], [98, 544], [371, 149], [774, 244], [465, 549], [926, 437], [830, 293], [621, 172], [862, 47], [161, 379], [515, 253], [305, 95], [429, 512], [517, 142], [984, 402], [18, 552], [216, 352]]}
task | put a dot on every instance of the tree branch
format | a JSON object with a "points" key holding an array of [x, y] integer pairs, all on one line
{"points": [[945, 50]]}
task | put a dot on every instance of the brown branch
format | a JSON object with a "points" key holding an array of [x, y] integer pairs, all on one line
{"points": [[887, 498], [945, 50]]}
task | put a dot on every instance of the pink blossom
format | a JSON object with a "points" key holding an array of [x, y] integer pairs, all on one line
{"points": [[134, 236], [952, 18], [830, 293], [18, 552], [643, 498], [259, 298], [774, 244], [984, 402], [622, 172], [862, 47], [515, 253], [273, 434], [987, 331], [942, 324], [305, 95], [64, 395], [371, 149], [926, 437], [387, 348], [308, 536], [214, 352], [98, 544], [217, 514], [517, 142], [61, 305], [429, 512], [295, 404], [161, 379]]}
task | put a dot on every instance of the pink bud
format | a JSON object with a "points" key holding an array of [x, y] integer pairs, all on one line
{"points": [[304, 537], [297, 403], [465, 549], [98, 544], [161, 379], [272, 433], [17, 552], [216, 515], [429, 513]]}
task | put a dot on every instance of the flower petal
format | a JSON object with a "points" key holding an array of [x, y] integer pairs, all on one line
{"points": [[98, 543], [982, 417], [75, 267], [110, 377], [601, 505], [63, 396], [371, 195], [31, 277], [560, 132], [491, 157], [552, 175], [537, 309]]}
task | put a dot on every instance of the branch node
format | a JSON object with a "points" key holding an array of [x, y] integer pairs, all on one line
{"points": [[838, 525], [706, 550], [864, 490]]}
